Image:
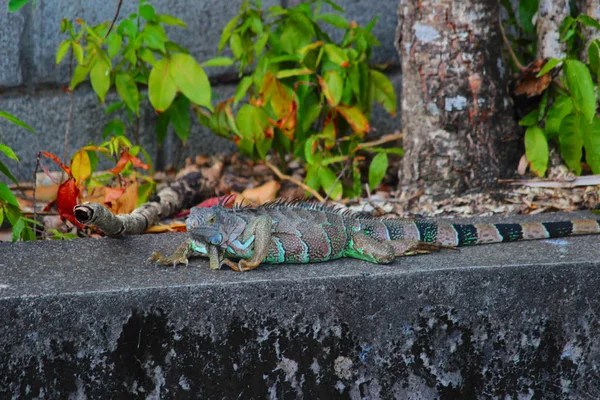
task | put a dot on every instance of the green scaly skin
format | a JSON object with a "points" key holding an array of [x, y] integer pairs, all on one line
{"points": [[298, 232]]}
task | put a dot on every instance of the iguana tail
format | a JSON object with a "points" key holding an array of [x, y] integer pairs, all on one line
{"points": [[471, 234]]}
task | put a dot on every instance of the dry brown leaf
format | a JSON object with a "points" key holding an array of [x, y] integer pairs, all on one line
{"points": [[263, 193], [162, 228], [95, 195], [128, 201], [523, 165], [44, 192], [529, 84]]}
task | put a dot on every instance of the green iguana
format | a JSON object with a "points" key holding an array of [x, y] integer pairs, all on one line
{"points": [[300, 232]]}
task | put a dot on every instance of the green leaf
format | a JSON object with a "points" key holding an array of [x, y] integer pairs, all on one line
{"points": [[114, 44], [591, 143], [553, 62], [588, 21], [100, 77], [260, 43], [155, 36], [15, 5], [79, 75], [594, 56], [336, 55], [333, 86], [530, 119], [334, 19], [128, 27], [527, 10], [355, 118], [114, 127], [330, 183], [78, 52], [242, 89], [128, 90], [384, 91], [286, 73], [262, 147], [571, 142], [170, 20], [4, 169], [561, 107], [227, 31], [581, 87], [333, 5], [17, 229], [147, 12], [15, 120], [117, 105], [147, 56], [180, 117], [252, 121], [161, 87], [218, 62], [63, 48], [536, 149], [309, 149], [6, 196], [190, 79], [377, 170], [236, 45], [8, 152]]}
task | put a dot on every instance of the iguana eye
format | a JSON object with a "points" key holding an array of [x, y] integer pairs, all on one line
{"points": [[211, 220]]}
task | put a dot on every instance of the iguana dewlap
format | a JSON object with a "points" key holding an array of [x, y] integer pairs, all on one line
{"points": [[279, 232]]}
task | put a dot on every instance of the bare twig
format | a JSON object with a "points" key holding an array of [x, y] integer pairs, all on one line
{"points": [[380, 141], [295, 181], [508, 48], [70, 113], [114, 19], [37, 165], [334, 182]]}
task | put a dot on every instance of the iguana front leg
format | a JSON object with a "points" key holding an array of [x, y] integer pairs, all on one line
{"points": [[179, 256], [187, 249], [258, 234]]}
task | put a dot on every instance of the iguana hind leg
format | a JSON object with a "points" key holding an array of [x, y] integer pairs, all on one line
{"points": [[411, 247], [368, 249], [260, 228]]}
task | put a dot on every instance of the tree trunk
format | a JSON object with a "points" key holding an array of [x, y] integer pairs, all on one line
{"points": [[459, 126], [550, 14], [591, 8]]}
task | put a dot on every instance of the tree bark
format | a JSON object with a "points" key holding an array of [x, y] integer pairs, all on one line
{"points": [[549, 17], [459, 127], [591, 8]]}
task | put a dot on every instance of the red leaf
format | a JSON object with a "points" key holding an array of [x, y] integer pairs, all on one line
{"points": [[125, 158], [66, 200], [213, 201], [112, 194], [57, 161]]}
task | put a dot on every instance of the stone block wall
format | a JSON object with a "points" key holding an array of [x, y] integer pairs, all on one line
{"points": [[31, 83]]}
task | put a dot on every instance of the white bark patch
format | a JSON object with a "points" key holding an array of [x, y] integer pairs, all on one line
{"points": [[433, 109], [426, 33], [455, 103]]}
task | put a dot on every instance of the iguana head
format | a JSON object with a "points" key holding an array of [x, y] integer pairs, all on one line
{"points": [[213, 225]]}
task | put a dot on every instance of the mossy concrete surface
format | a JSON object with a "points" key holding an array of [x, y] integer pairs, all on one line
{"points": [[90, 319]]}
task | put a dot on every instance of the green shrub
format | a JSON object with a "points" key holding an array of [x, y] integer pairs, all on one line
{"points": [[307, 96]]}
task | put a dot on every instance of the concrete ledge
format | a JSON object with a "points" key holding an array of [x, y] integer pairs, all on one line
{"points": [[89, 317]]}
